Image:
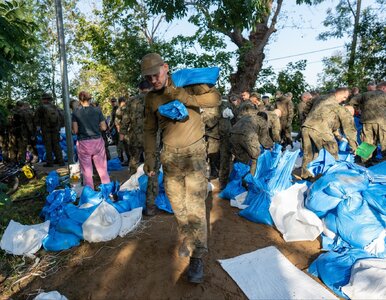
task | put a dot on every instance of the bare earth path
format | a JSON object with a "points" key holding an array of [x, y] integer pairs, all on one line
{"points": [[145, 265]]}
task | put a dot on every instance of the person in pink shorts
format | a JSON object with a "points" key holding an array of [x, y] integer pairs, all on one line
{"points": [[87, 123]]}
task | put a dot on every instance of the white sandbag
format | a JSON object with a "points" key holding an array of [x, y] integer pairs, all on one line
{"points": [[132, 183], [367, 280], [130, 220], [239, 200], [291, 218], [21, 239], [54, 295], [268, 274], [104, 224]]}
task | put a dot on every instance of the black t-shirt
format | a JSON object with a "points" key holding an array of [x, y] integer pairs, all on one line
{"points": [[88, 119]]}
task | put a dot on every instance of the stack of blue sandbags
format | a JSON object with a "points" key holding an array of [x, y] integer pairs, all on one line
{"points": [[351, 201], [66, 217], [273, 174], [62, 142]]}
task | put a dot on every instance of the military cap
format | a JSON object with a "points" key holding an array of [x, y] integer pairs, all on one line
{"points": [[47, 96], [151, 64], [257, 95]]}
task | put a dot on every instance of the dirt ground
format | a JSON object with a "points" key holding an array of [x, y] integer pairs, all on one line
{"points": [[145, 264]]}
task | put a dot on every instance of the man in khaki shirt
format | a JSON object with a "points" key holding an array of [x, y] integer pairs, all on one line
{"points": [[183, 155]]}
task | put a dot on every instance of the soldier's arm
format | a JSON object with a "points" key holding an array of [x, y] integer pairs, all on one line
{"points": [[290, 113], [276, 129], [348, 127], [150, 128], [264, 137]]}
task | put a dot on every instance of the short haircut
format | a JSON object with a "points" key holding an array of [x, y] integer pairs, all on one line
{"points": [[342, 89], [381, 84], [121, 99]]}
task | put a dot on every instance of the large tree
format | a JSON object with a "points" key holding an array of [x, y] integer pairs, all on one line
{"points": [[248, 24]]}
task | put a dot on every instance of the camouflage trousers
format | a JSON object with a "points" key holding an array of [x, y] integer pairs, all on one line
{"points": [[136, 157], [17, 148], [213, 152], [373, 134], [186, 186], [51, 143], [313, 142], [225, 160], [285, 132]]}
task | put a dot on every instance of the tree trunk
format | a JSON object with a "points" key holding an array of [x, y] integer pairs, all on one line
{"points": [[252, 53], [350, 71]]}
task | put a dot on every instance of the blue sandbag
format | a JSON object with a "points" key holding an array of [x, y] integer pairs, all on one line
{"points": [[163, 203], [322, 163], [196, 76], [174, 110], [55, 203], [343, 145], [379, 168], [79, 214], [90, 196], [375, 196], [66, 225], [114, 165], [57, 241], [108, 189], [133, 199], [357, 223], [52, 181], [234, 186], [330, 221], [143, 183], [334, 268]]}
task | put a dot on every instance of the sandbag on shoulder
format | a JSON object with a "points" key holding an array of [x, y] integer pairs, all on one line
{"points": [[192, 76], [174, 110]]}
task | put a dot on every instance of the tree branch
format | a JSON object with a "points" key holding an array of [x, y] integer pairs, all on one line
{"points": [[351, 9]]}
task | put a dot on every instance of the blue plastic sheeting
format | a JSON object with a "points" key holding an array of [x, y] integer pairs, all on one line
{"points": [[52, 181], [114, 165], [174, 110], [55, 203], [322, 163], [357, 223], [379, 168], [261, 190], [162, 201], [334, 268], [108, 189], [128, 200], [234, 186], [57, 241], [62, 143], [196, 76], [375, 195]]}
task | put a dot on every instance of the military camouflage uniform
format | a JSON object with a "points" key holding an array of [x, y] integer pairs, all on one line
{"points": [[123, 146], [50, 135], [319, 131], [246, 136], [274, 126], [373, 116], [18, 135], [183, 159], [210, 117], [31, 131], [247, 108], [225, 145], [286, 106]]}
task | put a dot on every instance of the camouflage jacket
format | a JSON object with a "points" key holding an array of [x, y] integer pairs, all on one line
{"points": [[118, 118], [211, 117], [132, 119], [301, 115], [328, 118], [372, 105], [274, 126], [247, 108], [286, 106], [255, 129]]}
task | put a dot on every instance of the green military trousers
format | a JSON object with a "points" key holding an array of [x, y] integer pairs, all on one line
{"points": [[186, 186]]}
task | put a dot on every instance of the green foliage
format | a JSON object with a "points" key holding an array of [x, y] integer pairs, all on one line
{"points": [[16, 35]]}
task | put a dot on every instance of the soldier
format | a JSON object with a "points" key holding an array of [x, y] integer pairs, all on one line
{"points": [[113, 128], [371, 86], [285, 105], [31, 131], [47, 117], [249, 106], [372, 105], [245, 95], [247, 135], [274, 126], [235, 102], [123, 144], [304, 99], [183, 157], [319, 129], [225, 126], [18, 134]]}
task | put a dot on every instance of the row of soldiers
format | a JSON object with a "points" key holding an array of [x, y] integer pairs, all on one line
{"points": [[19, 136], [240, 126]]}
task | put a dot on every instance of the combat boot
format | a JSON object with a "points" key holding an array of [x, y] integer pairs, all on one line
{"points": [[196, 270]]}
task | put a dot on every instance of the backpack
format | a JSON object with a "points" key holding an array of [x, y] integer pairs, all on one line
{"points": [[51, 115]]}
